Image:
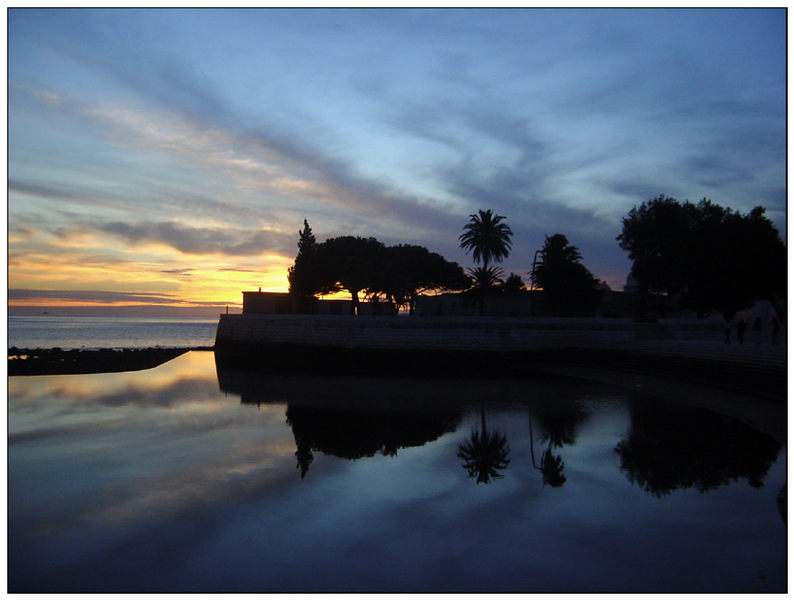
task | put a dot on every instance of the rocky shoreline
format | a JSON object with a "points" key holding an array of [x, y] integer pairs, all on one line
{"points": [[56, 361]]}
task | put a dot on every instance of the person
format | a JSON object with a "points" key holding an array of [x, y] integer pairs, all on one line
{"points": [[727, 331]]}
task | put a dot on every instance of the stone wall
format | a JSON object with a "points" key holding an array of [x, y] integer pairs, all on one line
{"points": [[409, 333]]}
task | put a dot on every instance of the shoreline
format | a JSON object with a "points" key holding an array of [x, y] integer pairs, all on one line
{"points": [[56, 361]]}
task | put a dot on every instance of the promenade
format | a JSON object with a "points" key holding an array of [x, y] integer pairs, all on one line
{"points": [[748, 382], [747, 353]]}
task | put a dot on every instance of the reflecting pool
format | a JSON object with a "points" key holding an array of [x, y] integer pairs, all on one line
{"points": [[196, 479]]}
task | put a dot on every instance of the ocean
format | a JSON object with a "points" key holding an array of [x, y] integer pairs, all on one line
{"points": [[48, 331]]}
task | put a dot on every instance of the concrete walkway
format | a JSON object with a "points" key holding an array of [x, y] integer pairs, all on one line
{"points": [[747, 370], [747, 382], [747, 353]]}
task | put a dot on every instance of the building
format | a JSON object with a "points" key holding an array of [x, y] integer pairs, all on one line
{"points": [[282, 303]]}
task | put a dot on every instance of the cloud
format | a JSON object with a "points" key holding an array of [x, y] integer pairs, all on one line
{"points": [[101, 297], [252, 161], [201, 240], [44, 191], [238, 270], [560, 120], [19, 295]]}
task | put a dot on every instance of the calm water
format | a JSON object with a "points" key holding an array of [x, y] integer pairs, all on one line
{"points": [[46, 331], [183, 478]]}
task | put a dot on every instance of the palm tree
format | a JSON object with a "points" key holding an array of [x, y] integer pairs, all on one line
{"points": [[568, 285], [484, 281], [558, 251], [486, 278], [487, 237]]}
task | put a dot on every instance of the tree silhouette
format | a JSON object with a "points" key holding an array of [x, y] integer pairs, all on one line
{"points": [[486, 237], [486, 279], [483, 282], [484, 453], [304, 275], [306, 242], [351, 263], [409, 270], [513, 285], [358, 264], [710, 257], [570, 288]]}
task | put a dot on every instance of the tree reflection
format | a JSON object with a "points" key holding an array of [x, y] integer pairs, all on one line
{"points": [[675, 447], [354, 433], [551, 466], [559, 420], [484, 453], [304, 456]]}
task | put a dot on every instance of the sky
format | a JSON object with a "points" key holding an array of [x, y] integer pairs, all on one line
{"points": [[168, 157]]}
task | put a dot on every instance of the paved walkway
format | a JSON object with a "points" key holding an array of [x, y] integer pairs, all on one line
{"points": [[747, 353]]}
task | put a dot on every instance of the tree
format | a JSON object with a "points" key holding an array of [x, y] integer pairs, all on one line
{"points": [[568, 285], [709, 257], [366, 265], [409, 270], [513, 285], [486, 237], [486, 279], [350, 263], [304, 275], [483, 282], [307, 242]]}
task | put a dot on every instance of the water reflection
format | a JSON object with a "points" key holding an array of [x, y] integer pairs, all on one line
{"points": [[160, 481], [342, 417], [354, 434], [559, 422], [668, 446], [551, 466], [484, 453], [672, 447]]}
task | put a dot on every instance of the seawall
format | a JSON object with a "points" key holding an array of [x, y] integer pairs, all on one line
{"points": [[456, 334], [677, 350]]}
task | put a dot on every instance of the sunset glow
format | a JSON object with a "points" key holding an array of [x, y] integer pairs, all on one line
{"points": [[167, 158]]}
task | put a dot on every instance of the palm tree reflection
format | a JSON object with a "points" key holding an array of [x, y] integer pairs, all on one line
{"points": [[304, 456], [484, 453], [551, 466]]}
